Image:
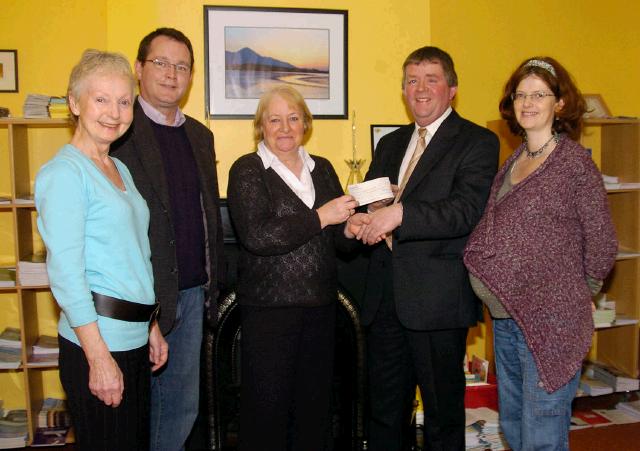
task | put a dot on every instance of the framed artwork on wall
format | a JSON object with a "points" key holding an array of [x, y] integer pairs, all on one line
{"points": [[596, 108], [378, 131], [8, 71], [249, 50]]}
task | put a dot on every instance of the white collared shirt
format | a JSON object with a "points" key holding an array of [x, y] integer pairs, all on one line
{"points": [[432, 128], [159, 118], [302, 187]]}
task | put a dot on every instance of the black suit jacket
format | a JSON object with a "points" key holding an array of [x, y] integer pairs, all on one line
{"points": [[442, 202], [139, 150]]}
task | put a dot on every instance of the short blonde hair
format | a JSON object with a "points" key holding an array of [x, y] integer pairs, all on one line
{"points": [[293, 97], [95, 62]]}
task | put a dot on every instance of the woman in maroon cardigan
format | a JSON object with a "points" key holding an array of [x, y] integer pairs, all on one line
{"points": [[542, 249]]}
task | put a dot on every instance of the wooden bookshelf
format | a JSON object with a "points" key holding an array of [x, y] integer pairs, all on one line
{"points": [[615, 145], [26, 144]]}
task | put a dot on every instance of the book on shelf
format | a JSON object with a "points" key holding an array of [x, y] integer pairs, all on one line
{"points": [[24, 199], [602, 316], [591, 418], [53, 436], [578, 423], [619, 320], [483, 430], [32, 271], [10, 348], [10, 358], [43, 360], [33, 263], [624, 254], [615, 378], [35, 106], [5, 200], [45, 351], [46, 344], [617, 416], [594, 387], [630, 408], [58, 108], [53, 413], [10, 338], [7, 277], [13, 429], [614, 183]]}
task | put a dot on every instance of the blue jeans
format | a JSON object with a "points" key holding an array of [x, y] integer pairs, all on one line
{"points": [[530, 418], [175, 388]]}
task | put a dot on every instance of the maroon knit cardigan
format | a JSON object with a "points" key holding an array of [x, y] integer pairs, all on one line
{"points": [[534, 248]]}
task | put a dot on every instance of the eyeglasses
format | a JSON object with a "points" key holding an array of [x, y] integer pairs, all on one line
{"points": [[166, 66], [535, 97]]}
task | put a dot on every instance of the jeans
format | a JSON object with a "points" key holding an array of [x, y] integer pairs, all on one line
{"points": [[175, 388], [530, 418]]}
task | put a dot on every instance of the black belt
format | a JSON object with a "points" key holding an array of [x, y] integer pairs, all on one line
{"points": [[124, 310]]}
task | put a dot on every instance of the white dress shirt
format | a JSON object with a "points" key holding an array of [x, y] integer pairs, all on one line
{"points": [[303, 186], [432, 128]]}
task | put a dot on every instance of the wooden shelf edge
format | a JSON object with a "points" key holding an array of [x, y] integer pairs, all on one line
{"points": [[620, 322], [36, 121], [610, 121]]}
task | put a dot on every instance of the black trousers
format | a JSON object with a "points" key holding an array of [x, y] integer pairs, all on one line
{"points": [[398, 360], [287, 369], [99, 427]]}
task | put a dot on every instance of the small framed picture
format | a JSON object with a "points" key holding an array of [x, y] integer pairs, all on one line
{"points": [[596, 108], [8, 71], [378, 131]]}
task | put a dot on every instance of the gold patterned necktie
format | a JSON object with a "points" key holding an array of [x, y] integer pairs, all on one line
{"points": [[421, 145]]}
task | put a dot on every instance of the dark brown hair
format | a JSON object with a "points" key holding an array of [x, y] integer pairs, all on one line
{"points": [[172, 33], [433, 55], [569, 119]]}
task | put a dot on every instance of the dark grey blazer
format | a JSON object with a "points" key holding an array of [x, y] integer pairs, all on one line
{"points": [[442, 202], [139, 150]]}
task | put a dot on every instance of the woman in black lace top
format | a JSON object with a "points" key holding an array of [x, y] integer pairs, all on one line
{"points": [[289, 211]]}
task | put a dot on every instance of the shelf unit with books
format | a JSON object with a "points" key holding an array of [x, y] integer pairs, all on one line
{"points": [[615, 145], [26, 144], [615, 148]]}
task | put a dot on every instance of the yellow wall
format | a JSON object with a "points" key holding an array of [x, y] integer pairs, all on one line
{"points": [[50, 37], [598, 42]]}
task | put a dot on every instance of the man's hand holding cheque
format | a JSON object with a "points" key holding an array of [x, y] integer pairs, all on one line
{"points": [[382, 216]]}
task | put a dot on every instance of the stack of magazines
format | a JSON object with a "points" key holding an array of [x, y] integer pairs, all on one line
{"points": [[33, 271], [35, 106], [13, 429], [45, 351], [10, 348]]}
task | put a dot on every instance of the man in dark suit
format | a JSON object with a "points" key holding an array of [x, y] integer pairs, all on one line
{"points": [[172, 161], [418, 304]]}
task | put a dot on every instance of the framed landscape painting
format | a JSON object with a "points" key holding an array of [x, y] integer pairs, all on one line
{"points": [[249, 50]]}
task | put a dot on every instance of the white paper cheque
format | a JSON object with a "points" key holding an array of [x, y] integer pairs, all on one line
{"points": [[371, 190]]}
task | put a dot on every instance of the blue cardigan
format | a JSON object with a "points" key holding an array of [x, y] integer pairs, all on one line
{"points": [[96, 240]]}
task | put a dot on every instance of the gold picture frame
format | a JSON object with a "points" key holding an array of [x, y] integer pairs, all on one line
{"points": [[596, 107]]}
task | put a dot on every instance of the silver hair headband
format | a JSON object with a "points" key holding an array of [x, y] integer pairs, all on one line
{"points": [[542, 65]]}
